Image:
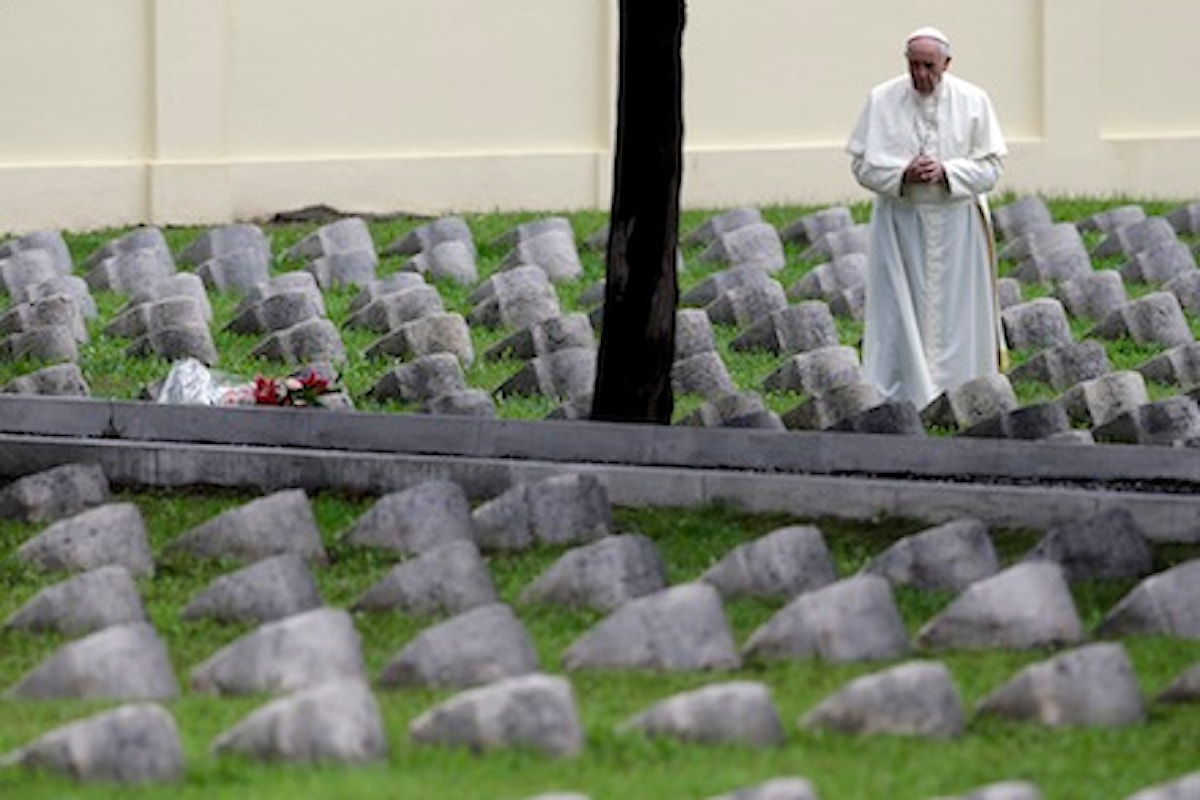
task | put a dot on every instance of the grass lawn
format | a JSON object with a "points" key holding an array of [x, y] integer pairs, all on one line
{"points": [[1066, 764]]}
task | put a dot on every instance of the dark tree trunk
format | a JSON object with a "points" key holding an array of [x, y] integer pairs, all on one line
{"points": [[637, 342]]}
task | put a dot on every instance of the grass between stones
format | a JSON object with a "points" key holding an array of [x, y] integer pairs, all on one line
{"points": [[1067, 764]]}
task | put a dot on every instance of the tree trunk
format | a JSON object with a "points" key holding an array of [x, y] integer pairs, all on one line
{"points": [[637, 342]]}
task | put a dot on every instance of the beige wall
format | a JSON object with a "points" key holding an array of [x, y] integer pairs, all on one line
{"points": [[205, 111]]}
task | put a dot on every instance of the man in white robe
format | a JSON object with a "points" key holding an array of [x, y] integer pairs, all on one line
{"points": [[929, 146]]}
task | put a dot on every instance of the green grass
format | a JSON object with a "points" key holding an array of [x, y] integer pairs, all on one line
{"points": [[1067, 764]]}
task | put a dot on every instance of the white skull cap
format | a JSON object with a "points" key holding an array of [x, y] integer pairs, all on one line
{"points": [[928, 33]]}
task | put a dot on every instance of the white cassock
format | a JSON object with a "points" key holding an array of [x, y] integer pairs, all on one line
{"points": [[931, 312]]}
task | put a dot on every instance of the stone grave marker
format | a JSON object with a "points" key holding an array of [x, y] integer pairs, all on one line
{"points": [[716, 284], [571, 508], [423, 237], [1179, 366], [414, 520], [564, 374], [44, 343], [1107, 545], [71, 285], [950, 556], [560, 332], [704, 374], [1023, 214], [432, 333], [447, 579], [812, 226], [554, 251], [834, 406], [1129, 239], [87, 602], [26, 268], [915, 698], [708, 231], [1160, 263], [388, 312], [1162, 422], [734, 410], [782, 564], [1156, 318], [1093, 294], [757, 245], [745, 305], [1064, 366], [421, 380], [826, 280], [1036, 324], [55, 493], [1164, 604], [450, 260], [1101, 400], [57, 309], [601, 575], [277, 523], [269, 589], [1110, 219], [50, 242], [64, 380], [108, 534], [1186, 218], [815, 372], [832, 244], [799, 328], [734, 712]]}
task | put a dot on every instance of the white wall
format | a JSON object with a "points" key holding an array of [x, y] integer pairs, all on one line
{"points": [[205, 111]]}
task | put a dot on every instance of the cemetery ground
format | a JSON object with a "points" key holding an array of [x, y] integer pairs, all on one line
{"points": [[1072, 763]]}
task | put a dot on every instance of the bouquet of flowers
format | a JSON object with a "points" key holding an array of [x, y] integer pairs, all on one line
{"points": [[191, 382]]}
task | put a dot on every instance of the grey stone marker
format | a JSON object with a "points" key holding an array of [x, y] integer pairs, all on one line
{"points": [[553, 250], [756, 245], [297, 281], [915, 698], [143, 238], [284, 655], [1064, 366], [479, 646], [450, 260], [526, 298], [718, 283], [423, 237], [1185, 218], [387, 312], [181, 284], [734, 410], [736, 712], [420, 380], [1160, 263], [1184, 689], [278, 523], [449, 579], [854, 619], [824, 281], [343, 236], [373, 290], [1004, 790], [55, 493], [466, 402], [22, 270], [62, 380], [560, 510], [281, 311], [782, 564], [50, 242], [796, 329], [1008, 292], [564, 374], [836, 405], [850, 303], [949, 556], [1156, 318], [1186, 287], [531, 711], [830, 245], [889, 417], [1036, 324], [1023, 214], [336, 270], [1094, 295], [336, 722], [236, 272], [128, 272], [774, 789], [704, 374], [58, 309], [532, 228], [131, 744], [176, 343], [1091, 686], [812, 226], [141, 318], [46, 343], [1129, 239], [1022, 607], [415, 520], [745, 305], [1175, 419], [971, 403], [542, 338], [707, 232], [1111, 219], [109, 534], [1101, 400], [1055, 253], [120, 662], [1165, 604], [87, 602], [601, 575], [70, 285], [681, 628], [1106, 545], [431, 333], [816, 372], [225, 240], [315, 339], [269, 589], [1034, 421], [1185, 788]]}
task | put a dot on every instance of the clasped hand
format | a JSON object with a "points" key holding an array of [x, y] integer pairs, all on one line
{"points": [[924, 169]]}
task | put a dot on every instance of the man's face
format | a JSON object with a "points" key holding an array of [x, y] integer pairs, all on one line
{"points": [[926, 64]]}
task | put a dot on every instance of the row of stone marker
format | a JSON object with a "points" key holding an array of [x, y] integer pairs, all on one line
{"points": [[312, 653], [560, 355]]}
